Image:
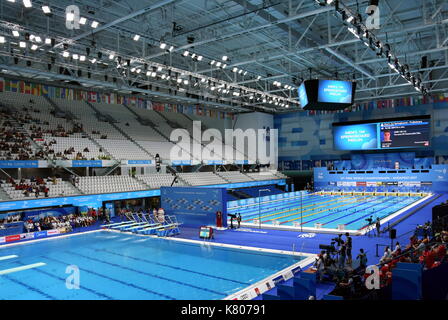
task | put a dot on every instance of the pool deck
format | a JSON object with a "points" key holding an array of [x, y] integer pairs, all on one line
{"points": [[286, 241]]}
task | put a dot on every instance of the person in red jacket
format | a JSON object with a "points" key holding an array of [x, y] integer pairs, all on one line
{"points": [[219, 219]]}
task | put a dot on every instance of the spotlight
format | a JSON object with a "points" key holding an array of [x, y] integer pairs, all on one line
{"points": [[70, 16], [27, 3], [46, 9]]}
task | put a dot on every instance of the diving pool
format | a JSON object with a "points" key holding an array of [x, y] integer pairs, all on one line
{"points": [[123, 266]]}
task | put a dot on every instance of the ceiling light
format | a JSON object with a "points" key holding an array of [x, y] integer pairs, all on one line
{"points": [[46, 9], [93, 60], [22, 44], [15, 33], [70, 16], [179, 80], [94, 24], [47, 41], [171, 48], [159, 68], [162, 45], [136, 37], [153, 74], [38, 39], [224, 66], [225, 58], [75, 56], [111, 56], [2, 39], [185, 82], [240, 71], [65, 54], [218, 64], [213, 62], [234, 69], [27, 3], [82, 20], [186, 53], [199, 58], [34, 47], [82, 58]]}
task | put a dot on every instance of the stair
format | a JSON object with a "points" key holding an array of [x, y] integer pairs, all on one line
{"points": [[58, 110], [99, 115], [131, 139], [170, 123], [144, 122]]}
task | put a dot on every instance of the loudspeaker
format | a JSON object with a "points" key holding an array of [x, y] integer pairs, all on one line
{"points": [[393, 233]]}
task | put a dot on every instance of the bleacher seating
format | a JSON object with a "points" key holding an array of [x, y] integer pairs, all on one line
{"points": [[155, 181], [234, 176], [263, 175], [108, 184], [60, 189], [201, 178]]}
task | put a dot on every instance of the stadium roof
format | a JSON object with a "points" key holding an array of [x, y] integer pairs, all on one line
{"points": [[175, 50]]}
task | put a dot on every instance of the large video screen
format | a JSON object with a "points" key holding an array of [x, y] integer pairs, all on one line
{"points": [[387, 134], [318, 94], [334, 91]]}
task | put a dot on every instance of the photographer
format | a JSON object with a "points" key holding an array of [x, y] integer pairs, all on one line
{"points": [[362, 257], [348, 243]]}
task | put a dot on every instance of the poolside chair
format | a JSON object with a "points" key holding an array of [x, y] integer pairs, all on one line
{"points": [[170, 229], [148, 222], [137, 220], [129, 221], [166, 225]]}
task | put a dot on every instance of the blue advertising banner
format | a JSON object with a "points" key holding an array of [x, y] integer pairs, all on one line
{"points": [[431, 180], [76, 200], [195, 206], [87, 163], [19, 164]]}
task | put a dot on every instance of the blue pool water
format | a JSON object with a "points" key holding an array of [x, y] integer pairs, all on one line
{"points": [[122, 266], [328, 210]]}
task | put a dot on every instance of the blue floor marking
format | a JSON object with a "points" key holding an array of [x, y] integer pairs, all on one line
{"points": [[148, 274], [63, 279], [173, 267], [116, 280]]}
